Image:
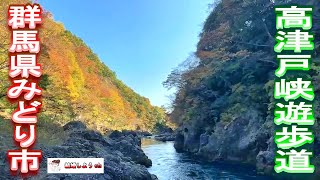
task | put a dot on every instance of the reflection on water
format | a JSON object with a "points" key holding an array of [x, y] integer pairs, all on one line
{"points": [[169, 165]]}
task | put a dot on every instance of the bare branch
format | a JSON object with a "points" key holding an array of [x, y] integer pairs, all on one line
{"points": [[268, 61], [267, 30]]}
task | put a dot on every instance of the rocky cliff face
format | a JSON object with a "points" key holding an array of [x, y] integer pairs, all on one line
{"points": [[224, 106], [123, 156], [248, 139]]}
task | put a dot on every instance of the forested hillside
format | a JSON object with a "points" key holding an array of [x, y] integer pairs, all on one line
{"points": [[76, 84], [224, 106]]}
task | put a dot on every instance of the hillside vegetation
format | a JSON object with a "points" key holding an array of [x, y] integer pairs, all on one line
{"points": [[76, 83], [224, 106]]}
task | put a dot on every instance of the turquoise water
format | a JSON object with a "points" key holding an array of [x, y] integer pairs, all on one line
{"points": [[169, 165]]}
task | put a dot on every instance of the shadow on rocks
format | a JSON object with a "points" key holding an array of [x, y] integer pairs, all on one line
{"points": [[123, 157]]}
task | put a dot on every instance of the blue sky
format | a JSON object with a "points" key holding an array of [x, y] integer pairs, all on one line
{"points": [[141, 40]]}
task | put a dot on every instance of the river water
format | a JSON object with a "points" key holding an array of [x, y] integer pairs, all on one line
{"points": [[167, 164]]}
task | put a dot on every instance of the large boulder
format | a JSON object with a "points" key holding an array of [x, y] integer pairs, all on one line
{"points": [[187, 139], [123, 157], [130, 145]]}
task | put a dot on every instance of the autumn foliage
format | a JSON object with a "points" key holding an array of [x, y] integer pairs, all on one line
{"points": [[77, 85]]}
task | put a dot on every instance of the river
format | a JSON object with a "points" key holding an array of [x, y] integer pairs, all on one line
{"points": [[167, 164]]}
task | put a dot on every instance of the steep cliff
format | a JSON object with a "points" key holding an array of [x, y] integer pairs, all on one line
{"points": [[224, 106]]}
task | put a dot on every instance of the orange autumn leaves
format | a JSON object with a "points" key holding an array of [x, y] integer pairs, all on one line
{"points": [[80, 86]]}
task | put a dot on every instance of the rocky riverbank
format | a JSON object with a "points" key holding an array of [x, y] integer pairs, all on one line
{"points": [[164, 133], [165, 137], [248, 139], [122, 153]]}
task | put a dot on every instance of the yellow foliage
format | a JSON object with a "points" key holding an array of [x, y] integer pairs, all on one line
{"points": [[76, 79], [78, 84]]}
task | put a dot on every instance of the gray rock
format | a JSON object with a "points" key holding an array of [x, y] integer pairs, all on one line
{"points": [[240, 140], [179, 142], [74, 125], [204, 139], [265, 159], [165, 137], [130, 146], [122, 156]]}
